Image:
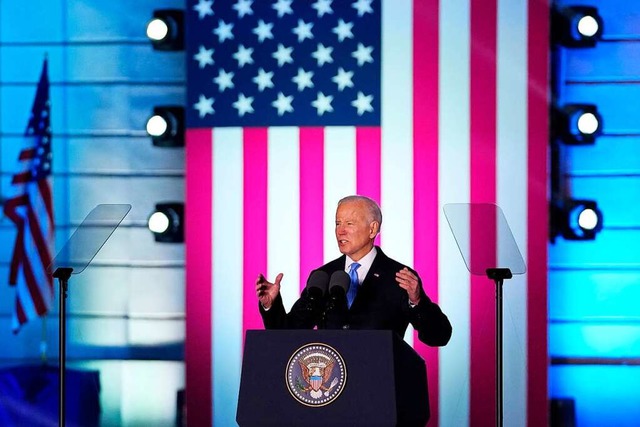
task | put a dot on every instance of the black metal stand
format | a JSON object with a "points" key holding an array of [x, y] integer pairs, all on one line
{"points": [[62, 274], [498, 275]]}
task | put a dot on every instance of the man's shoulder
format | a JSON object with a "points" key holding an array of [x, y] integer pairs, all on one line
{"points": [[388, 262], [331, 266]]}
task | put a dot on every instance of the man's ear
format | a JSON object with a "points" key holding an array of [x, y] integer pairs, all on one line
{"points": [[374, 228]]}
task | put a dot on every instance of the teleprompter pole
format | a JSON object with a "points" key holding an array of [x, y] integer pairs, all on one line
{"points": [[62, 274], [498, 275]]}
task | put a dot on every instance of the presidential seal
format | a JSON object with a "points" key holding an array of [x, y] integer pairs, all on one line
{"points": [[316, 374]]}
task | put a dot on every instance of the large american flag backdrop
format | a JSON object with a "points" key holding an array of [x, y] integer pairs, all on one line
{"points": [[295, 104]]}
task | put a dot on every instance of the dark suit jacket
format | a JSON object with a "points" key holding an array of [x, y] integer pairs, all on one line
{"points": [[380, 304]]}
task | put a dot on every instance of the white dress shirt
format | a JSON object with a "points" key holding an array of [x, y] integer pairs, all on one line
{"points": [[365, 264]]}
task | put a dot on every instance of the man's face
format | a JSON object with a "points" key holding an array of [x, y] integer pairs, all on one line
{"points": [[355, 231]]}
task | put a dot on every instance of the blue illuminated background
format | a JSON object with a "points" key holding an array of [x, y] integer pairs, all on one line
{"points": [[130, 323], [125, 314], [594, 286]]}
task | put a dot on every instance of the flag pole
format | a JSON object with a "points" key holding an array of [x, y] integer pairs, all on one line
{"points": [[43, 341]]}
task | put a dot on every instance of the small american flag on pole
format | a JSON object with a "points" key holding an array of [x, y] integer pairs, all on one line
{"points": [[31, 210]]}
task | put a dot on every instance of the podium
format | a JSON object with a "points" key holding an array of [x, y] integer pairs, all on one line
{"points": [[331, 377]]}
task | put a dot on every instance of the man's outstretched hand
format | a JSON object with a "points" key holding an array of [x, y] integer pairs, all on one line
{"points": [[266, 291]]}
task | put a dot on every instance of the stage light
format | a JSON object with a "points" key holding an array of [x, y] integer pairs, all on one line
{"points": [[577, 124], [167, 222], [576, 219], [576, 26], [166, 29], [166, 126]]}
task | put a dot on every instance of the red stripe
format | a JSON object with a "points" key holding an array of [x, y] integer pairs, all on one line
{"points": [[311, 199], [10, 210], [199, 220], [255, 142], [36, 294], [425, 169], [21, 178], [47, 198], [483, 70], [537, 136], [39, 239], [27, 154]]}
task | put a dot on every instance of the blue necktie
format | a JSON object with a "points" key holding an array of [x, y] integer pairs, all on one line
{"points": [[353, 287]]}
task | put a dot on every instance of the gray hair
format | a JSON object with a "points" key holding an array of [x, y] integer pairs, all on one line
{"points": [[375, 214]]}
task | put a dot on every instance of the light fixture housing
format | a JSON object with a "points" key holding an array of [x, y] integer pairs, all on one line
{"points": [[166, 29], [577, 124], [576, 26], [575, 219], [166, 126], [167, 222]]}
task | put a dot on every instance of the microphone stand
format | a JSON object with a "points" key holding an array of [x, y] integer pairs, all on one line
{"points": [[313, 297], [336, 309]]}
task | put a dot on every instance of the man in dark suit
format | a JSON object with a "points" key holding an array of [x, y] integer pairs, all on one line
{"points": [[384, 294]]}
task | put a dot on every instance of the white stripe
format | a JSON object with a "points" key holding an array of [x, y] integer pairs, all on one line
{"points": [[512, 194], [38, 269], [22, 289], [23, 294], [283, 211], [454, 294], [40, 208], [397, 135], [44, 225], [339, 179], [227, 269]]}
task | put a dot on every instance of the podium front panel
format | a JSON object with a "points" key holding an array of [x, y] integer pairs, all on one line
{"points": [[368, 396]]}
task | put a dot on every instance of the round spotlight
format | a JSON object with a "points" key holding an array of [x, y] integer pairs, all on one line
{"points": [[588, 26], [167, 222], [158, 222], [157, 29], [588, 123], [166, 126], [575, 219], [166, 29], [577, 124], [588, 219], [576, 26], [157, 125]]}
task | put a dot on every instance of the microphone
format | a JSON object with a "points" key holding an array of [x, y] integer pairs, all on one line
{"points": [[316, 287], [339, 284], [336, 309]]}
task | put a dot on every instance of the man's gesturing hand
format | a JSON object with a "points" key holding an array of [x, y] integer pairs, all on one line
{"points": [[410, 283], [267, 291]]}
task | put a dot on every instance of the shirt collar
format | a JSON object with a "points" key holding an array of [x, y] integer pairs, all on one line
{"points": [[365, 263]]}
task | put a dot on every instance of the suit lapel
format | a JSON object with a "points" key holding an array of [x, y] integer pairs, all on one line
{"points": [[376, 270]]}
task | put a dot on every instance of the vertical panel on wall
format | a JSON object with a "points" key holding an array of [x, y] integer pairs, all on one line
{"points": [[594, 326], [126, 311]]}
